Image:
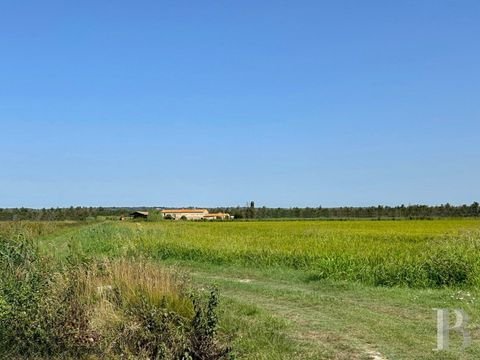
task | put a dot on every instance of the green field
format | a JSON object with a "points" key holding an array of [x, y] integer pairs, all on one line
{"points": [[306, 289], [407, 253]]}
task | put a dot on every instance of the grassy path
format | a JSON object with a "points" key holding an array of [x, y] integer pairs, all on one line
{"points": [[330, 320]]}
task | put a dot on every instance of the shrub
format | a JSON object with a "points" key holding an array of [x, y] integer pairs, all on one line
{"points": [[154, 215], [203, 342], [38, 314]]}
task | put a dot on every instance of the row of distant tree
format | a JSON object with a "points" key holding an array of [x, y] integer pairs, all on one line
{"points": [[70, 213], [251, 212], [370, 212]]}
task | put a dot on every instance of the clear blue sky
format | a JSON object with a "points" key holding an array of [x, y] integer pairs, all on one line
{"points": [[205, 103]]}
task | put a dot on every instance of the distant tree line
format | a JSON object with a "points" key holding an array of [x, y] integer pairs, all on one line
{"points": [[251, 212], [70, 213], [370, 212]]}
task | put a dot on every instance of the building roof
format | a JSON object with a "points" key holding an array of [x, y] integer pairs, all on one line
{"points": [[145, 213], [177, 211]]}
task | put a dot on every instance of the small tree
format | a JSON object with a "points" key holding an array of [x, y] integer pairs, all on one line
{"points": [[154, 215], [251, 211]]}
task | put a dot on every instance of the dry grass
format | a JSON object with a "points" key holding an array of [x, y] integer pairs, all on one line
{"points": [[139, 280]]}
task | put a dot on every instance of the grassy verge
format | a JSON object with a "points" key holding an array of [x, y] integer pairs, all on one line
{"points": [[100, 309]]}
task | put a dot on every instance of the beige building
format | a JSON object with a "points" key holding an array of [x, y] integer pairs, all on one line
{"points": [[192, 214], [187, 214], [217, 216]]}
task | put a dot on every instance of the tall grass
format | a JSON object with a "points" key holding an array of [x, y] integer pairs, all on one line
{"points": [[389, 253], [31, 229]]}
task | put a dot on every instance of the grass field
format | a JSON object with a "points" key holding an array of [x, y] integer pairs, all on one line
{"points": [[408, 253], [309, 289]]}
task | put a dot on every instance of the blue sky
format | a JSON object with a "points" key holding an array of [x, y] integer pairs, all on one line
{"points": [[208, 103]]}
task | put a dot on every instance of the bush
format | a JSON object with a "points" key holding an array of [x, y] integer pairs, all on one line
{"points": [[154, 215], [203, 342], [40, 315]]}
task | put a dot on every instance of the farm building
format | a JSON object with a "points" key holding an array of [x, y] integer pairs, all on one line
{"points": [[217, 216], [187, 214], [139, 214], [192, 214]]}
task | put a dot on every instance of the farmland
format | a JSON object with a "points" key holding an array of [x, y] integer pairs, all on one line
{"points": [[407, 253], [295, 289]]}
